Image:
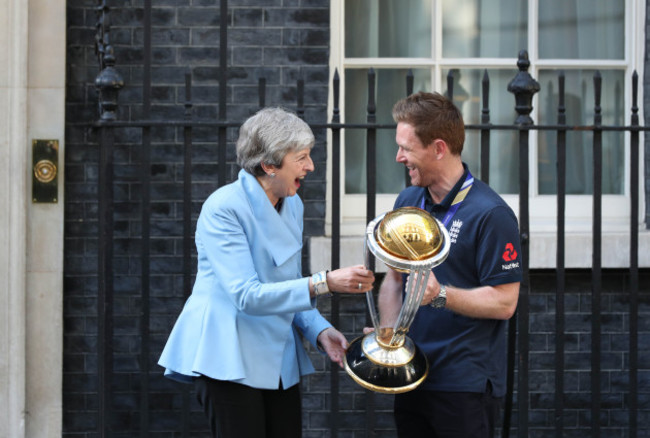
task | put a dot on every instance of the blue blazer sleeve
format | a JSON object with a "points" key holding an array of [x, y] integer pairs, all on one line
{"points": [[253, 274], [311, 323]]}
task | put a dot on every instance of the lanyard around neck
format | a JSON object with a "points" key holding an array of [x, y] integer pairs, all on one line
{"points": [[458, 199]]}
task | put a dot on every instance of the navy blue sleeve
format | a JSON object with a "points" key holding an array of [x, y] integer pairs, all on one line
{"points": [[498, 255]]}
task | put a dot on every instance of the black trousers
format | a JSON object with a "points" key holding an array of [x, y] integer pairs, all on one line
{"points": [[239, 411], [429, 414]]}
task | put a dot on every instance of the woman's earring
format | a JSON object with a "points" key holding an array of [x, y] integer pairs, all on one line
{"points": [[272, 174]]}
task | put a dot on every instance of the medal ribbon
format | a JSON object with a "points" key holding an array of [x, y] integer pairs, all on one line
{"points": [[460, 197]]}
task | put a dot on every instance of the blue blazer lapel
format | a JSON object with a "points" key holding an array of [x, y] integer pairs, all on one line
{"points": [[283, 231]]}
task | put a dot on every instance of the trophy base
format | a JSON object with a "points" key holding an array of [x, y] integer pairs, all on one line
{"points": [[389, 370]]}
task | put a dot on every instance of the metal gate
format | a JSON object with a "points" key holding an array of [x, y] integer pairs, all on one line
{"points": [[110, 130]]}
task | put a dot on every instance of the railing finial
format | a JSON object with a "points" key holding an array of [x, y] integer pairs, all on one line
{"points": [[523, 86], [108, 83]]}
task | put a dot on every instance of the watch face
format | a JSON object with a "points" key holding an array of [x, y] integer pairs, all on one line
{"points": [[439, 302], [321, 288]]}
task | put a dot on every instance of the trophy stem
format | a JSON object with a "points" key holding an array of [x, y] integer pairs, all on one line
{"points": [[416, 285], [370, 299]]}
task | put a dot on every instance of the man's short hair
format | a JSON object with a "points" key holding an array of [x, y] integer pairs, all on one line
{"points": [[433, 116]]}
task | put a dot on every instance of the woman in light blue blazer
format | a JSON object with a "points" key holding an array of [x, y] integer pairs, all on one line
{"points": [[239, 336]]}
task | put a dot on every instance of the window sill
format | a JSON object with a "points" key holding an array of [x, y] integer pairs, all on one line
{"points": [[578, 251]]}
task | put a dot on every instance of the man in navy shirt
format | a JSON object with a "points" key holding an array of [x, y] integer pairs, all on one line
{"points": [[461, 326]]}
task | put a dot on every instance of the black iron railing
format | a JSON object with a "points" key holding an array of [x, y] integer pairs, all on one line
{"points": [[523, 86]]}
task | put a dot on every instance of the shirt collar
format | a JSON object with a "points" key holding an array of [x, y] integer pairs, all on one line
{"points": [[446, 203]]}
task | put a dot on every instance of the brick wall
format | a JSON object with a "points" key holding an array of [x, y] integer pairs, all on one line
{"points": [[577, 380], [281, 41]]}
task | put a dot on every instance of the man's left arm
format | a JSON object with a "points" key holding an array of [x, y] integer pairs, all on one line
{"points": [[499, 272], [493, 302]]}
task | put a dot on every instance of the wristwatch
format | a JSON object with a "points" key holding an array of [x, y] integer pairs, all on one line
{"points": [[319, 280], [440, 301]]}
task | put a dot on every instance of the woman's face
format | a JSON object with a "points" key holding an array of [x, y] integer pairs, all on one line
{"points": [[295, 166]]}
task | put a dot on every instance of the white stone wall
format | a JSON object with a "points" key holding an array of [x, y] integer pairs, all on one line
{"points": [[32, 97]]}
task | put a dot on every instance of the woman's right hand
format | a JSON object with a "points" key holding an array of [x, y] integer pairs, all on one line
{"points": [[353, 279]]}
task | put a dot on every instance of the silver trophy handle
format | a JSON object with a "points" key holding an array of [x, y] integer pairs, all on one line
{"points": [[416, 285], [370, 298]]}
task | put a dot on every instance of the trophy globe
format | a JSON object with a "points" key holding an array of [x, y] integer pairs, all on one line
{"points": [[411, 241]]}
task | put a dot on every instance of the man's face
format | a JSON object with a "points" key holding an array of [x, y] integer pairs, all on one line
{"points": [[420, 160]]}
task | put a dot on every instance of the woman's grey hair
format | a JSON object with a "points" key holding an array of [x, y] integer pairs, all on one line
{"points": [[268, 136]]}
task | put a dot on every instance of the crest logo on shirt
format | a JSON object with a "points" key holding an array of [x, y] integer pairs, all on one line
{"points": [[455, 230]]}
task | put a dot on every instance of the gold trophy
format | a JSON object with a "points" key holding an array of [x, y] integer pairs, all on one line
{"points": [[411, 241]]}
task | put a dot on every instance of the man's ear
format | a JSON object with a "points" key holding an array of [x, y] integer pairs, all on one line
{"points": [[440, 148]]}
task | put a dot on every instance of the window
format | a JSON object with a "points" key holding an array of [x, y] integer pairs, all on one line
{"points": [[466, 38]]}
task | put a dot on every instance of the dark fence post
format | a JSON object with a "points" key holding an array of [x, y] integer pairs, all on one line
{"points": [[450, 86], [371, 145], [596, 276], [261, 92], [188, 229], [300, 108], [336, 246], [108, 84], [523, 86], [560, 262], [105, 281], [485, 133], [409, 82], [409, 91], [145, 263], [634, 258], [371, 192], [223, 92]]}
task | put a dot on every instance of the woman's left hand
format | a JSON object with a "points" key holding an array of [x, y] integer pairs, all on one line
{"points": [[352, 279], [334, 344]]}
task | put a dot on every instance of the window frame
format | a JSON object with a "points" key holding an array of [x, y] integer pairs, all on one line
{"points": [[542, 207]]}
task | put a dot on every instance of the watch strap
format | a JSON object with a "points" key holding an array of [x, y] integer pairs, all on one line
{"points": [[440, 301], [319, 280]]}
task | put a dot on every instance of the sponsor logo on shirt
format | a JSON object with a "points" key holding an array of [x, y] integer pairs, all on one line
{"points": [[509, 255], [455, 230]]}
